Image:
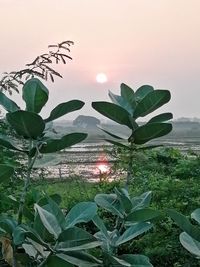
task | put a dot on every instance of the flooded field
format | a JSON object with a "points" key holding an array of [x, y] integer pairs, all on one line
{"points": [[93, 161]]}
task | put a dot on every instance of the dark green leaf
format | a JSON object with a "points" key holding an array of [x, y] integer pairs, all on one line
{"points": [[117, 144], [137, 260], [100, 225], [124, 200], [5, 172], [54, 145], [74, 238], [189, 243], [54, 260], [151, 131], [5, 142], [110, 203], [113, 112], [143, 91], [80, 259], [119, 100], [141, 201], [128, 94], [161, 118], [111, 134], [133, 231], [35, 94], [81, 212], [25, 123], [8, 225], [185, 224], [7, 103], [142, 215], [151, 102], [196, 215], [64, 108], [49, 221]]}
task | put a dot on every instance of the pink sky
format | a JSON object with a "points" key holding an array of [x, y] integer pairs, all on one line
{"points": [[137, 42]]}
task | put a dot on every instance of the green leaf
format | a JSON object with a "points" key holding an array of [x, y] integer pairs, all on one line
{"points": [[5, 172], [196, 215], [64, 108], [113, 112], [133, 231], [151, 131], [110, 203], [124, 200], [8, 225], [151, 102], [120, 101], [7, 103], [111, 134], [185, 224], [54, 145], [137, 260], [49, 221], [101, 226], [189, 243], [161, 118], [81, 212], [142, 215], [54, 260], [117, 144], [5, 142], [113, 261], [141, 201], [56, 211], [128, 94], [25, 123], [80, 259], [143, 91], [74, 238], [35, 94]]}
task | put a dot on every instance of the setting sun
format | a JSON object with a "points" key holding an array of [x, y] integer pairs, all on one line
{"points": [[101, 78]]}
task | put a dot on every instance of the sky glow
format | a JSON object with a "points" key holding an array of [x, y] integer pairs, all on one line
{"points": [[137, 42]]}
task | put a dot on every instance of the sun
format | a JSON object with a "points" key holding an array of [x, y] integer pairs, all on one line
{"points": [[101, 78]]}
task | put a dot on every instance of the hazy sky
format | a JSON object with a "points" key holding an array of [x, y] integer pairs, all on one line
{"points": [[137, 42]]}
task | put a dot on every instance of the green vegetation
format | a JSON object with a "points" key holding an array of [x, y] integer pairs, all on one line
{"points": [[77, 223]]}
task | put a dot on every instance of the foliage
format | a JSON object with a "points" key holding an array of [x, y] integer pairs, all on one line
{"points": [[127, 108], [39, 67]]}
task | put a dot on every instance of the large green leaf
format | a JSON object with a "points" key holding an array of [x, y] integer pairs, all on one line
{"points": [[7, 103], [142, 201], [151, 131], [54, 260], [128, 94], [151, 102], [100, 225], [192, 245], [57, 212], [196, 215], [74, 238], [113, 112], [143, 91], [142, 215], [35, 94], [137, 260], [110, 203], [8, 225], [25, 123], [124, 199], [64, 108], [161, 117], [5, 172], [185, 224], [80, 259], [119, 100], [133, 231], [54, 145], [113, 261], [5, 142], [49, 221], [81, 212]]}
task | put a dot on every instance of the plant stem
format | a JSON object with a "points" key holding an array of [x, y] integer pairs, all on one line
{"points": [[31, 161], [130, 173]]}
